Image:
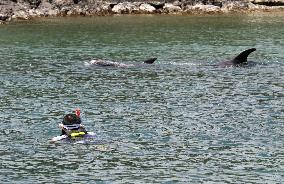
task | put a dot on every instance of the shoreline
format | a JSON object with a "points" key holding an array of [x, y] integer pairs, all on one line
{"points": [[23, 10]]}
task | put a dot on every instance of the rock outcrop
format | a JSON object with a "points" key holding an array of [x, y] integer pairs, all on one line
{"points": [[27, 9]]}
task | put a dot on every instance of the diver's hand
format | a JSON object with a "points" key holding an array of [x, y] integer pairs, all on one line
{"points": [[60, 125]]}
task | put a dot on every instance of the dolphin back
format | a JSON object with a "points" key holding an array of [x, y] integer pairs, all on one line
{"points": [[108, 63], [242, 57]]}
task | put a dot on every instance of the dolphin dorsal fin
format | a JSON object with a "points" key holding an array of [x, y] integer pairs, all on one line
{"points": [[150, 61], [242, 57]]}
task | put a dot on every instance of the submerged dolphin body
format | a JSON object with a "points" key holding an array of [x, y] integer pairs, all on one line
{"points": [[239, 60], [108, 63]]}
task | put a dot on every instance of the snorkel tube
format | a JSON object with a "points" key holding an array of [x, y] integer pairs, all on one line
{"points": [[78, 112]]}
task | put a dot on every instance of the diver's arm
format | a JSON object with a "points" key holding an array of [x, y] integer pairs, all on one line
{"points": [[83, 129], [58, 138]]}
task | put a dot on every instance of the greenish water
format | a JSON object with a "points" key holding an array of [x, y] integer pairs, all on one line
{"points": [[178, 121]]}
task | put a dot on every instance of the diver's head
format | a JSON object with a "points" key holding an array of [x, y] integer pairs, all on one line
{"points": [[71, 119]]}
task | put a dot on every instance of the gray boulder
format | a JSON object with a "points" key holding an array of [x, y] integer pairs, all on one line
{"points": [[127, 7], [171, 8], [203, 8], [147, 8]]}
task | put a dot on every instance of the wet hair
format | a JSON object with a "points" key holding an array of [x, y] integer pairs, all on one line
{"points": [[70, 119]]}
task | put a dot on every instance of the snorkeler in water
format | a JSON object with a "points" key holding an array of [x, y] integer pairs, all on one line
{"points": [[71, 127]]}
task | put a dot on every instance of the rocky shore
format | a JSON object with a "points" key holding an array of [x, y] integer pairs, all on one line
{"points": [[28, 9]]}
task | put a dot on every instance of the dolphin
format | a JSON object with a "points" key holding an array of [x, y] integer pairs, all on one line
{"points": [[108, 63], [239, 60]]}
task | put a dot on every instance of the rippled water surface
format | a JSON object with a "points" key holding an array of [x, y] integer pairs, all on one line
{"points": [[180, 120]]}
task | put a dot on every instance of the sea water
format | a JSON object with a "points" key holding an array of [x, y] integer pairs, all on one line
{"points": [[180, 120]]}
